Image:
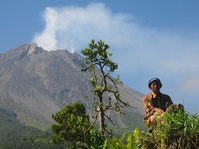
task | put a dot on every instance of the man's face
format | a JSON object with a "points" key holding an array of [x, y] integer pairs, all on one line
{"points": [[155, 86]]}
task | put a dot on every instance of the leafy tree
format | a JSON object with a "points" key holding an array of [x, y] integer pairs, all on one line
{"points": [[73, 126], [97, 61]]}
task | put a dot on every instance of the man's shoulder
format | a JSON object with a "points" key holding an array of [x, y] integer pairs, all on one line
{"points": [[165, 95], [147, 96]]}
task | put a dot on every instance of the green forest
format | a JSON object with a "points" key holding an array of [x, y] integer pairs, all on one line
{"points": [[178, 130], [15, 135]]}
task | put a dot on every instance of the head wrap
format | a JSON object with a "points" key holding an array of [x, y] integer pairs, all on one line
{"points": [[154, 79]]}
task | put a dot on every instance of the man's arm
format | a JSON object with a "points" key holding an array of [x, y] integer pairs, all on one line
{"points": [[149, 108]]}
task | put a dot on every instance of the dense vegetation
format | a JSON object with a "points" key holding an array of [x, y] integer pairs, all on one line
{"points": [[73, 126], [14, 135], [176, 131]]}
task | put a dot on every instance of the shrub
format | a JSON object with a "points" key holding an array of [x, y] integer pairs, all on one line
{"points": [[177, 130], [129, 143]]}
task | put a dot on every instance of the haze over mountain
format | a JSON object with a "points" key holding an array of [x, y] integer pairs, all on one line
{"points": [[36, 83]]}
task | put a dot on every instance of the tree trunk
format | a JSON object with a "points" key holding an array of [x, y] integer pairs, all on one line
{"points": [[101, 119]]}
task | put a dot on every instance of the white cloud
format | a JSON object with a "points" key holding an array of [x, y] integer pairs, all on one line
{"points": [[141, 52], [73, 27]]}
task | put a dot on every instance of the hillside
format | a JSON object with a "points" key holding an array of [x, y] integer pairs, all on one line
{"points": [[35, 83], [15, 135]]}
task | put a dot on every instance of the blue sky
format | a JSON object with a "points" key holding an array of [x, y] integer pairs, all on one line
{"points": [[147, 38]]}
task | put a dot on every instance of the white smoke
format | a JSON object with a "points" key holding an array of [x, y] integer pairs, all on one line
{"points": [[74, 27]]}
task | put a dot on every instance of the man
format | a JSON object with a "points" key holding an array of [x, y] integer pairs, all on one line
{"points": [[155, 103]]}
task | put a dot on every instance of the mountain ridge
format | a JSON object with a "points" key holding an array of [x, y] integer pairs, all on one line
{"points": [[36, 83]]}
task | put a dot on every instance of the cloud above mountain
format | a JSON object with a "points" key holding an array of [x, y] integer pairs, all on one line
{"points": [[73, 27], [142, 52]]}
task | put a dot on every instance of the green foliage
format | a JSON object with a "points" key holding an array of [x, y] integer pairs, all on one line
{"points": [[15, 135], [97, 56], [73, 125], [177, 130], [129, 143]]}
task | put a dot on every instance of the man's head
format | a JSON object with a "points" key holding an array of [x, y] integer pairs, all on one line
{"points": [[155, 84]]}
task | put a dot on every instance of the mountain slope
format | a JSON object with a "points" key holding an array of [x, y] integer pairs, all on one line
{"points": [[15, 135], [35, 83]]}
